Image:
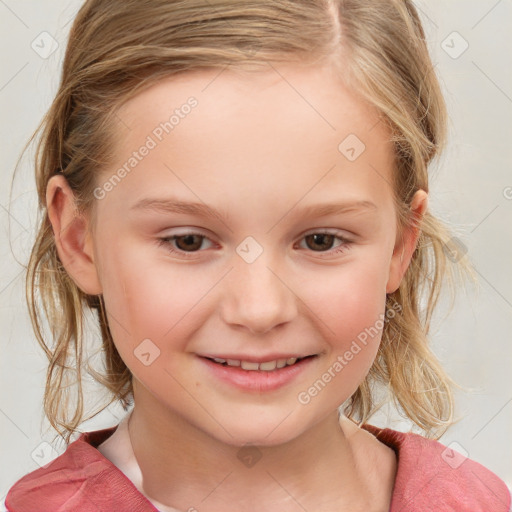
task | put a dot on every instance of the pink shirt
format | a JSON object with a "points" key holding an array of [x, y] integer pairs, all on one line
{"points": [[430, 477]]}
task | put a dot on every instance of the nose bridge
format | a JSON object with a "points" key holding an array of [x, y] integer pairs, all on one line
{"points": [[257, 297]]}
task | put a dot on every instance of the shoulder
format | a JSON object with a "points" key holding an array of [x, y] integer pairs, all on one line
{"points": [[432, 476], [79, 479]]}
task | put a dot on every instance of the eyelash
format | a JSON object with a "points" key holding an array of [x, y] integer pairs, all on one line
{"points": [[167, 241]]}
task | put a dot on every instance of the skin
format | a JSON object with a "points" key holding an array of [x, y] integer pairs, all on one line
{"points": [[260, 150]]}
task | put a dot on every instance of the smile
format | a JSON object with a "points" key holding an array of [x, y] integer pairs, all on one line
{"points": [[254, 376], [267, 366]]}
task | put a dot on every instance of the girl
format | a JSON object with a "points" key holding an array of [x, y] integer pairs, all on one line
{"points": [[240, 190]]}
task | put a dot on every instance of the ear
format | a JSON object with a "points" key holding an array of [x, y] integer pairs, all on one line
{"points": [[405, 247], [72, 236]]}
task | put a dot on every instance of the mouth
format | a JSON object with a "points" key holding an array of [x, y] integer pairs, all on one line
{"points": [[266, 366], [261, 375]]}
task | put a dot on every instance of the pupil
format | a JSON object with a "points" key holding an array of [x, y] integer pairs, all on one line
{"points": [[188, 239], [320, 237]]}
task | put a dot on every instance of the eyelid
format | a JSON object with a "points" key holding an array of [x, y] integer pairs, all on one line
{"points": [[327, 231]]}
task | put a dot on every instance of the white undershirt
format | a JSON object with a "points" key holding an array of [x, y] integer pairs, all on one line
{"points": [[118, 449]]}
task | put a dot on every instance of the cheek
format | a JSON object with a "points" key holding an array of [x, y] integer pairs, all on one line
{"points": [[349, 304], [351, 296], [148, 297]]}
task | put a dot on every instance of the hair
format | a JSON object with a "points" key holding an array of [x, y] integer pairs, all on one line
{"points": [[117, 48]]}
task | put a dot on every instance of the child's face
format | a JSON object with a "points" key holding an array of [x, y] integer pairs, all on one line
{"points": [[259, 149]]}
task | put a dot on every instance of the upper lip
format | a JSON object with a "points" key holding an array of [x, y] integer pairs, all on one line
{"points": [[255, 359]]}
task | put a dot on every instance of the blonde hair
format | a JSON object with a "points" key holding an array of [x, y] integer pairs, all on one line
{"points": [[118, 48]]}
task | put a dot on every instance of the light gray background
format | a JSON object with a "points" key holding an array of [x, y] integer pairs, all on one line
{"points": [[471, 190]]}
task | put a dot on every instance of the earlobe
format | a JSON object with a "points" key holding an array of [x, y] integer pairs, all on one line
{"points": [[72, 237], [404, 249]]}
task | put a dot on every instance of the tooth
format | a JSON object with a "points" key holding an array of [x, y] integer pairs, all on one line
{"points": [[247, 365], [269, 365]]}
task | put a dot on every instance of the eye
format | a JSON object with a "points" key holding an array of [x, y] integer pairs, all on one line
{"points": [[320, 240], [189, 243]]}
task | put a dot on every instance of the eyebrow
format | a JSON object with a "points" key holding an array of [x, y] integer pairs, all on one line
{"points": [[171, 205]]}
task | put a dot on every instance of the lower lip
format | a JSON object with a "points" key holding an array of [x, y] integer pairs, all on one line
{"points": [[257, 380]]}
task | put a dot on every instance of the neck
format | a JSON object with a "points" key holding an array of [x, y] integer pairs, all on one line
{"points": [[325, 468]]}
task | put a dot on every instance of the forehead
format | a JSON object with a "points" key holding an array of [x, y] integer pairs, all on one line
{"points": [[283, 133], [283, 92]]}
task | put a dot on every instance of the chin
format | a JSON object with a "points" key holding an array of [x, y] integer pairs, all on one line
{"points": [[271, 432]]}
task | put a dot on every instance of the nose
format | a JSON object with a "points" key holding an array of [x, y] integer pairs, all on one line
{"points": [[258, 297]]}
